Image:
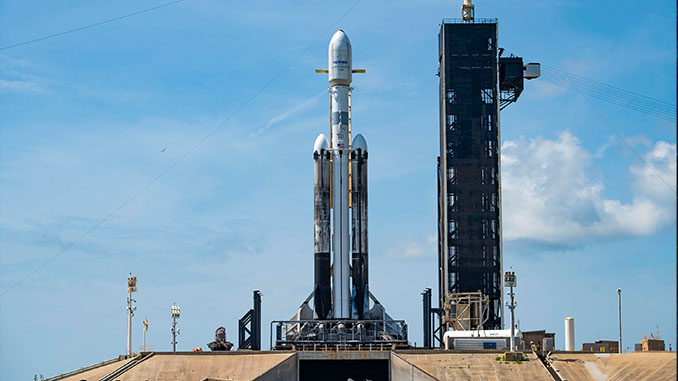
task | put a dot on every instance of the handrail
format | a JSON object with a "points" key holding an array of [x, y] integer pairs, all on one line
{"points": [[474, 21], [337, 331]]}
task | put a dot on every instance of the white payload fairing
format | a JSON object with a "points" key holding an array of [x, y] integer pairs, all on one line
{"points": [[339, 152]]}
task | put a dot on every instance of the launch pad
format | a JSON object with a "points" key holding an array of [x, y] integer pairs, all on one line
{"points": [[314, 335], [421, 365]]}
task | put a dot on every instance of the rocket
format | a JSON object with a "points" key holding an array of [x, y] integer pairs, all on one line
{"points": [[332, 160]]}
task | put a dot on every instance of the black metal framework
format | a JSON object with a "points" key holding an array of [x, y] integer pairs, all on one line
{"points": [[468, 166], [250, 337], [339, 334], [433, 336], [510, 80], [428, 317]]}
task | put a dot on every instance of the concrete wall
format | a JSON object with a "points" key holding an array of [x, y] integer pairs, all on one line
{"points": [[402, 370], [286, 370], [621, 367], [424, 365], [476, 366], [196, 366]]}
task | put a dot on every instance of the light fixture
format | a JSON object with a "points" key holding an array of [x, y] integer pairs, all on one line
{"points": [[176, 311], [132, 284]]}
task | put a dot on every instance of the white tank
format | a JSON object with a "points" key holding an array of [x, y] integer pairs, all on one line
{"points": [[532, 71], [569, 334]]}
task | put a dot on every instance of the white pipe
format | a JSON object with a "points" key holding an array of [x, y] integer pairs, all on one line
{"points": [[569, 334]]}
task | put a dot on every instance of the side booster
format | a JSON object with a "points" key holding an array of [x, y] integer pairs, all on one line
{"points": [[359, 228], [331, 170], [321, 217]]}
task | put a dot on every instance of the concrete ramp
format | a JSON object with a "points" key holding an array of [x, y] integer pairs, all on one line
{"points": [[450, 366], [642, 366], [288, 369], [594, 371], [617, 367], [92, 372], [199, 366], [407, 365], [402, 370]]}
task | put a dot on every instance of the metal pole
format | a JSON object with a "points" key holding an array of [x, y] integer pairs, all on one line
{"points": [[256, 322], [621, 350], [427, 317], [513, 323], [174, 334], [129, 323]]}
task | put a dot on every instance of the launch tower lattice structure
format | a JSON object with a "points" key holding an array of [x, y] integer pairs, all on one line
{"points": [[469, 210], [475, 83]]}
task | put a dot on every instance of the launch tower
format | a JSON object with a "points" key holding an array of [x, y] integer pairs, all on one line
{"points": [[475, 83]]}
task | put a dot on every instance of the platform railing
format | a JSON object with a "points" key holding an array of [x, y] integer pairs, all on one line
{"points": [[474, 21], [300, 334]]}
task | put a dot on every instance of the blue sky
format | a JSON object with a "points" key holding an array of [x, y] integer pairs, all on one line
{"points": [[89, 118]]}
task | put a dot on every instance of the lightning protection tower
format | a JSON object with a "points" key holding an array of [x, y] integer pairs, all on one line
{"points": [[131, 287], [176, 313]]}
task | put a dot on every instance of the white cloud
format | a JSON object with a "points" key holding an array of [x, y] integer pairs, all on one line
{"points": [[638, 140], [24, 86], [409, 248], [543, 89], [549, 196], [290, 112], [16, 77], [600, 152], [657, 179]]}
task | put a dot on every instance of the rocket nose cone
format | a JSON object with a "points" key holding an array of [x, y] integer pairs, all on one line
{"points": [[359, 143], [340, 37], [321, 143], [340, 66]]}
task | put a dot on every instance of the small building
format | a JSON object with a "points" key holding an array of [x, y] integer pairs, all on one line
{"points": [[652, 345], [480, 339], [541, 340], [638, 347], [602, 346]]}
